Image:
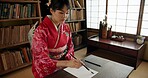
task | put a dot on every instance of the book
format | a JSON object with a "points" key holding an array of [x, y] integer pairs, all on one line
{"points": [[24, 52], [73, 27], [21, 36], [29, 10], [22, 55], [21, 11], [17, 15], [11, 11], [82, 3], [73, 14], [29, 53], [19, 58], [6, 60], [6, 35], [1, 36], [77, 4], [15, 58], [81, 14], [73, 3], [5, 11], [70, 2], [33, 10], [15, 34], [27, 29], [1, 64], [14, 11], [12, 60], [3, 57], [10, 35], [1, 5], [78, 26], [77, 39]]}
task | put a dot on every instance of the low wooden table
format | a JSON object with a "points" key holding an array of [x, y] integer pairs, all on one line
{"points": [[108, 69]]}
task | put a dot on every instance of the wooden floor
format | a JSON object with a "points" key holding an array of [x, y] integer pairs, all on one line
{"points": [[140, 72]]}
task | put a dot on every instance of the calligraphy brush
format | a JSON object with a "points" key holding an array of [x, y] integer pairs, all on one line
{"points": [[83, 64]]}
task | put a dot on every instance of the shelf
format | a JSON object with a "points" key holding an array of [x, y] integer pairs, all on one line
{"points": [[75, 21], [18, 1], [13, 69], [79, 31], [19, 19], [13, 45], [77, 8]]}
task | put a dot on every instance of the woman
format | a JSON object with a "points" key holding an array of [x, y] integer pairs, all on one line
{"points": [[52, 42]]}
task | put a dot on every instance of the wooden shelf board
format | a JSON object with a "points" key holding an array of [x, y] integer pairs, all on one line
{"points": [[78, 8], [75, 20], [19, 19], [18, 1], [79, 31], [12, 45], [14, 69]]}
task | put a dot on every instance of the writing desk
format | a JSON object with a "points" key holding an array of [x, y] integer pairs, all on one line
{"points": [[126, 52], [108, 69]]}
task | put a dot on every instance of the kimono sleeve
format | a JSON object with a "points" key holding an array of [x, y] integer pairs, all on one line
{"points": [[42, 65]]}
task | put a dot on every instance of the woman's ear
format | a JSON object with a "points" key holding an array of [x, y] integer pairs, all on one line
{"points": [[51, 10]]}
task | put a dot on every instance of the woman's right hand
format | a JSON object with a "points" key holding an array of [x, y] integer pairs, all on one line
{"points": [[74, 63]]}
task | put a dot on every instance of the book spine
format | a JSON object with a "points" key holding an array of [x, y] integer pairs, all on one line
{"points": [[1, 64], [4, 61], [24, 51]]}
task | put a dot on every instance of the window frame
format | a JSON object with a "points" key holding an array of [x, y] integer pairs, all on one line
{"points": [[139, 23]]}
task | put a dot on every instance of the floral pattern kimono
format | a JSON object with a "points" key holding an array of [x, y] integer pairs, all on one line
{"points": [[49, 45]]}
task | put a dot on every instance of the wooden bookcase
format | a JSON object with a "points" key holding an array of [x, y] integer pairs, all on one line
{"points": [[76, 21], [16, 19]]}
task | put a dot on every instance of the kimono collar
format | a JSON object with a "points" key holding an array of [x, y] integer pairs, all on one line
{"points": [[56, 27]]}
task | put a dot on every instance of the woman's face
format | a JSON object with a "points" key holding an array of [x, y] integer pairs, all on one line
{"points": [[59, 16]]}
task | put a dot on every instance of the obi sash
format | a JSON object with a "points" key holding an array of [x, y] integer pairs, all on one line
{"points": [[58, 53]]}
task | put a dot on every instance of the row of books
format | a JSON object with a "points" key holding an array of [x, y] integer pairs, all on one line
{"points": [[14, 34], [12, 11], [76, 14], [12, 59], [74, 27], [76, 3]]}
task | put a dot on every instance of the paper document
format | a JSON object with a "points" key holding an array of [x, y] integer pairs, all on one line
{"points": [[82, 72]]}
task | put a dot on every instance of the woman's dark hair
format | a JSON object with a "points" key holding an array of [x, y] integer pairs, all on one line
{"points": [[59, 4]]}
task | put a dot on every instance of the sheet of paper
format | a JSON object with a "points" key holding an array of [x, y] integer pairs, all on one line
{"points": [[82, 72]]}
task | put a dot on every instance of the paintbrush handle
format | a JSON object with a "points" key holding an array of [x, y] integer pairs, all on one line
{"points": [[82, 64]]}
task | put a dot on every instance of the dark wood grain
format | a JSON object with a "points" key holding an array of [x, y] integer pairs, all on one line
{"points": [[60, 74], [130, 50], [108, 69]]}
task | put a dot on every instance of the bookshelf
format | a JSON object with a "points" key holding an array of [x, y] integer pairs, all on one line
{"points": [[16, 19], [77, 23]]}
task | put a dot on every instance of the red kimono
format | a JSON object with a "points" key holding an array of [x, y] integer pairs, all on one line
{"points": [[50, 44]]}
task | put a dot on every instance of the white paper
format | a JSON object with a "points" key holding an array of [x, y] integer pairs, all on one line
{"points": [[82, 72]]}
